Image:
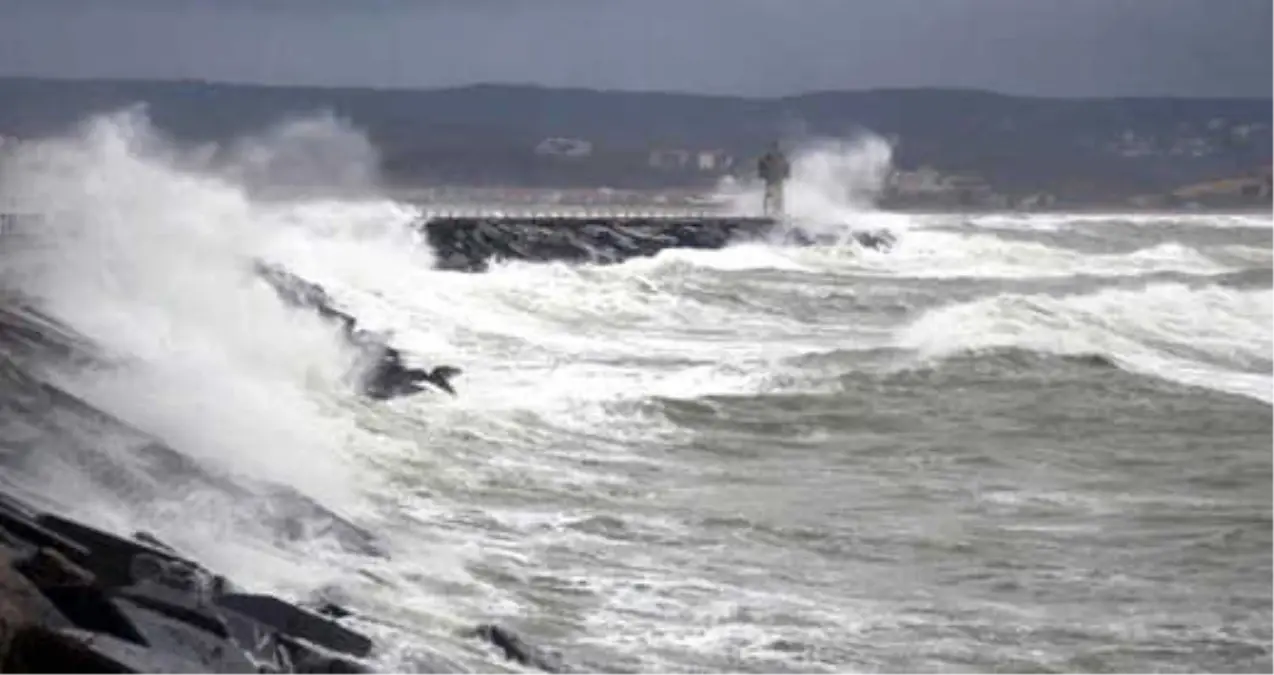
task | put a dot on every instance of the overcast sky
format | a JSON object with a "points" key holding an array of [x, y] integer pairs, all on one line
{"points": [[750, 47]]}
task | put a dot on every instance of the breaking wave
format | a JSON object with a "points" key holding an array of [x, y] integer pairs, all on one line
{"points": [[534, 494], [1209, 336]]}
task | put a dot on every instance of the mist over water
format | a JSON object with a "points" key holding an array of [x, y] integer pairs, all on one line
{"points": [[1015, 441], [153, 263], [834, 185]]}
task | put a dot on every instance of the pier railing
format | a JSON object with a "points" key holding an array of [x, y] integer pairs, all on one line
{"points": [[555, 212], [12, 221]]}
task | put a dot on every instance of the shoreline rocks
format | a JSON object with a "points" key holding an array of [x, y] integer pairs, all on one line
{"points": [[77, 598], [74, 598], [385, 375], [469, 244]]}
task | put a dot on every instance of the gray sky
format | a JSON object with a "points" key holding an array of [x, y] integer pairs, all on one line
{"points": [[751, 47]]}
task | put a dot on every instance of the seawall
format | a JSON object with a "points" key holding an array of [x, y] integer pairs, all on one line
{"points": [[472, 242], [469, 241]]}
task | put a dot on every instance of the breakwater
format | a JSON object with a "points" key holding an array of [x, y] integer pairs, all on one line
{"points": [[470, 242]]}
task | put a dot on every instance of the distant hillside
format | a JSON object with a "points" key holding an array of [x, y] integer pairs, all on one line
{"points": [[1080, 149]]}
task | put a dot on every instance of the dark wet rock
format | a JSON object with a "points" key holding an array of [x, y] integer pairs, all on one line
{"points": [[385, 375], [111, 557], [152, 541], [298, 292], [1093, 360], [298, 622], [25, 328], [67, 431], [389, 378], [41, 649], [20, 523], [172, 615], [22, 607], [333, 610], [77, 599], [516, 649], [470, 243], [47, 567], [873, 239]]}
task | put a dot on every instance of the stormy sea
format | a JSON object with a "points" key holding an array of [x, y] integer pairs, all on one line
{"points": [[1011, 441]]}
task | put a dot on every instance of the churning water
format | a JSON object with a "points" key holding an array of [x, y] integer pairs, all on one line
{"points": [[1023, 442]]}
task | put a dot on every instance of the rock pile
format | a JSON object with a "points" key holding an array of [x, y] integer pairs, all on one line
{"points": [[470, 243], [75, 598], [78, 599]]}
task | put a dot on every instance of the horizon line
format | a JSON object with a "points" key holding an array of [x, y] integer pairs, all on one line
{"points": [[622, 92]]}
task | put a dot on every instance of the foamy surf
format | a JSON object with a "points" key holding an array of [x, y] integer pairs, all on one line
{"points": [[945, 255], [1065, 221], [700, 438], [1213, 337]]}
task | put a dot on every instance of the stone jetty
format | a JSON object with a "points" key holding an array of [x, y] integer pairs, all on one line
{"points": [[470, 242]]}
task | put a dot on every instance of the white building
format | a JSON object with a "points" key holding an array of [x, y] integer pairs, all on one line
{"points": [[714, 160], [669, 158]]}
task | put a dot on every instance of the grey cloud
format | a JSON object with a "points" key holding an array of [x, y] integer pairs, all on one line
{"points": [[755, 47]]}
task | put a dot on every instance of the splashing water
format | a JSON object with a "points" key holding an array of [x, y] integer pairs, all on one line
{"points": [[833, 186], [152, 259], [761, 457]]}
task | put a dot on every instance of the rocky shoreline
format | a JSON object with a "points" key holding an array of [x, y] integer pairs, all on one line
{"points": [[75, 599], [78, 598]]}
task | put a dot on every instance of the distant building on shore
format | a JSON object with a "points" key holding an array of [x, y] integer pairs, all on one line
{"points": [[1254, 187], [669, 158], [929, 186], [715, 160]]}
